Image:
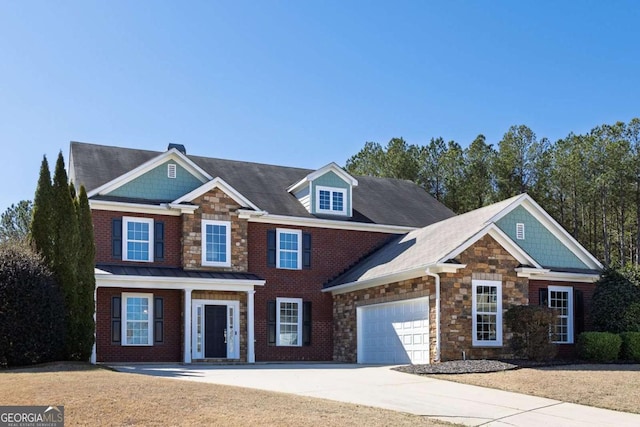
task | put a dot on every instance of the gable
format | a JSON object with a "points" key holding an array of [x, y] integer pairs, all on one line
{"points": [[156, 185], [539, 242]]}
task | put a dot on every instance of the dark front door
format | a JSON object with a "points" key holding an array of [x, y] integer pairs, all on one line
{"points": [[215, 331]]}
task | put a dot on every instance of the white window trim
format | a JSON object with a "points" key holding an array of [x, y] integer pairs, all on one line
{"points": [[125, 252], [520, 231], [299, 325], [331, 190], [487, 343], [227, 225], [569, 291], [150, 321], [288, 231]]}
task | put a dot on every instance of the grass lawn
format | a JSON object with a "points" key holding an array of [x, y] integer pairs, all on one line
{"points": [[605, 386], [94, 396]]}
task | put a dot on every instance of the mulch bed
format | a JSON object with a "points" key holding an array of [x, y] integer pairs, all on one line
{"points": [[473, 366]]}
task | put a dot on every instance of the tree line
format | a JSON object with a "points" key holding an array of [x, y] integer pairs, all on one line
{"points": [[590, 183], [47, 277]]}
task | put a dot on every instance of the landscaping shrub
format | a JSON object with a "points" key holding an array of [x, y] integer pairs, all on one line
{"points": [[31, 309], [530, 325], [616, 301], [630, 346], [599, 346]]}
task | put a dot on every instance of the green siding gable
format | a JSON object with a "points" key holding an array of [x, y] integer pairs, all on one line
{"points": [[329, 179], [539, 242], [155, 185]]}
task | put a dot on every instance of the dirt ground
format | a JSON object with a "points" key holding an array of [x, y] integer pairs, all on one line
{"points": [[605, 386], [99, 397]]}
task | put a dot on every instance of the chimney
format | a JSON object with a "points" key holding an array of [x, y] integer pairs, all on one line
{"points": [[178, 147]]}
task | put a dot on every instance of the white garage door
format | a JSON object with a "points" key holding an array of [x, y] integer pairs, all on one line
{"points": [[394, 333]]}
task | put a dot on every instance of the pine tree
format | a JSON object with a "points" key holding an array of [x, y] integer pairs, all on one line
{"points": [[64, 230], [86, 278], [40, 233]]}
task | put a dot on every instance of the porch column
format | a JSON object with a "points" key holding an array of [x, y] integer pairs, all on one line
{"points": [[251, 352], [187, 325]]}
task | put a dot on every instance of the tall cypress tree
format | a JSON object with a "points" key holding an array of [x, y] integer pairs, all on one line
{"points": [[64, 229], [86, 278], [40, 233]]}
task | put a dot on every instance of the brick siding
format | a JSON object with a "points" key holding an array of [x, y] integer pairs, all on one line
{"points": [[167, 351], [332, 251], [102, 221]]}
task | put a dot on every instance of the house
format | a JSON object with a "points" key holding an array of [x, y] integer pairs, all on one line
{"points": [[205, 259]]}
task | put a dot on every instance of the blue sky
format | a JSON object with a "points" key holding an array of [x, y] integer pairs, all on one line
{"points": [[304, 83]]}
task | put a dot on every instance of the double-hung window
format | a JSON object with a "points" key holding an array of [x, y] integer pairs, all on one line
{"points": [[487, 313], [137, 242], [288, 249], [331, 200], [216, 243], [561, 299], [289, 322], [137, 322]]}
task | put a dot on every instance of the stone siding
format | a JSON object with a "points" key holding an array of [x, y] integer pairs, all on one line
{"points": [[485, 260], [214, 205], [345, 308]]}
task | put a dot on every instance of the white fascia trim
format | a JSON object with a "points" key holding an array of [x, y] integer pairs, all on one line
{"points": [[106, 280], [553, 226], [164, 209], [529, 272], [265, 217], [516, 251], [395, 277], [172, 154], [183, 209], [445, 268], [222, 185], [376, 281], [557, 276], [344, 175]]}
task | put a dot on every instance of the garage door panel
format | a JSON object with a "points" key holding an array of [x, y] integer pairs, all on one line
{"points": [[394, 333]]}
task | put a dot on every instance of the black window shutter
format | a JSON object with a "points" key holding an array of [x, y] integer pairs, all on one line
{"points": [[578, 312], [115, 319], [159, 240], [158, 319], [271, 248], [271, 322], [306, 323], [543, 297], [116, 238], [306, 250]]}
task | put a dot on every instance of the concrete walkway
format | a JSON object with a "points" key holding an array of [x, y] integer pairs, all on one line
{"points": [[381, 387]]}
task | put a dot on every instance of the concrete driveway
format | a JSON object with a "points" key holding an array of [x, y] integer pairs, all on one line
{"points": [[379, 386]]}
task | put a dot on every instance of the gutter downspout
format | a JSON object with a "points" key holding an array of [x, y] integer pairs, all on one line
{"points": [[437, 280]]}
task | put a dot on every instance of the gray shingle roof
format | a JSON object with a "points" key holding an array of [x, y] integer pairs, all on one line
{"points": [[375, 200], [422, 247]]}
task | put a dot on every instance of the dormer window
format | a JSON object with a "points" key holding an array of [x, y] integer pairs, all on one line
{"points": [[326, 191], [331, 200]]}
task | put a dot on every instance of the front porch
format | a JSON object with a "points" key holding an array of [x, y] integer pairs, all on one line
{"points": [[157, 314]]}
